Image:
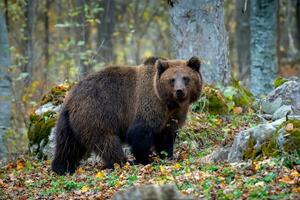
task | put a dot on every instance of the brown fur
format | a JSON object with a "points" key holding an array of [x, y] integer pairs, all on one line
{"points": [[115, 105]]}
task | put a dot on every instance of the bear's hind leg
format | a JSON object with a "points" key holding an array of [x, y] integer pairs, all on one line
{"points": [[140, 139], [68, 151], [110, 150]]}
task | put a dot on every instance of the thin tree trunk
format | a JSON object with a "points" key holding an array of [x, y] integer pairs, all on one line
{"points": [[105, 30], [198, 29], [263, 59], [243, 40], [5, 87], [30, 20], [298, 23], [84, 37], [46, 40], [6, 14]]}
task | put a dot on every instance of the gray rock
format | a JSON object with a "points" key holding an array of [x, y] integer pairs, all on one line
{"points": [[289, 93], [282, 112], [153, 192], [220, 154], [239, 145], [47, 107], [259, 133], [48, 148], [270, 107]]}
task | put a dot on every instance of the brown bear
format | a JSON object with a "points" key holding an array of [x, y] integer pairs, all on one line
{"points": [[142, 106]]}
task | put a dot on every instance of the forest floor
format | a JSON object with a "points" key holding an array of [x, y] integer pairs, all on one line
{"points": [[266, 178]]}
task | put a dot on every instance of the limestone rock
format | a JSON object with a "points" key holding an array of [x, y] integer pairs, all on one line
{"points": [[282, 112], [153, 192], [289, 93]]}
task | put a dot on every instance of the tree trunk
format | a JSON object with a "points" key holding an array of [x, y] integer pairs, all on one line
{"points": [[5, 87], [243, 40], [298, 22], [105, 30], [263, 60], [30, 21], [46, 40], [198, 29], [83, 37]]}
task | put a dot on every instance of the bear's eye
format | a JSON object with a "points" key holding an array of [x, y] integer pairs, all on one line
{"points": [[186, 80], [172, 81]]}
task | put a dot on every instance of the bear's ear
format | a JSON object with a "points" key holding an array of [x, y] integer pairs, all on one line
{"points": [[161, 66], [194, 63]]}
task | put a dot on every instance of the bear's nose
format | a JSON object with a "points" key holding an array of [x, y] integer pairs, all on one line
{"points": [[179, 93]]}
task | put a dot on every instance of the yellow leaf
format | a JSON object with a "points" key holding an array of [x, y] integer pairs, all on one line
{"points": [[85, 188], [118, 184], [163, 169], [289, 127], [100, 175], [117, 166], [20, 164], [256, 166], [177, 166], [237, 110], [287, 180], [295, 173], [296, 190], [80, 170], [1, 183], [127, 166], [48, 162]]}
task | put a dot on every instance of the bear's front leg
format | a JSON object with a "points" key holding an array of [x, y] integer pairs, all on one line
{"points": [[140, 137], [164, 143]]}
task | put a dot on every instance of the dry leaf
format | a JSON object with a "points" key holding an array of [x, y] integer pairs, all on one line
{"points": [[85, 188], [177, 166], [287, 180], [20, 164], [296, 190], [237, 110], [80, 170], [289, 127], [100, 175]]}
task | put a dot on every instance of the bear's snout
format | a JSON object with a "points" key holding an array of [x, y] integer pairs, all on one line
{"points": [[180, 94]]}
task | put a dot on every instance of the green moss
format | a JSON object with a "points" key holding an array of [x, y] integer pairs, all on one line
{"points": [[279, 81], [212, 101], [293, 136], [40, 127], [242, 97], [271, 148], [250, 152], [57, 94]]}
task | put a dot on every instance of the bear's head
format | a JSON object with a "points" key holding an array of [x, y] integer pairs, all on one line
{"points": [[178, 82]]}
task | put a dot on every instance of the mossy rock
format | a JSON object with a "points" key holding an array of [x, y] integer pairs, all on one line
{"points": [[239, 95], [211, 101], [39, 131], [279, 81], [57, 94], [286, 141]]}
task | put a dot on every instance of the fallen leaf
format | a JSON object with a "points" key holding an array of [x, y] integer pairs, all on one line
{"points": [[163, 169], [1, 183], [295, 173], [20, 164], [177, 166], [289, 127], [85, 188], [80, 170], [100, 175], [237, 110], [287, 180], [296, 190]]}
